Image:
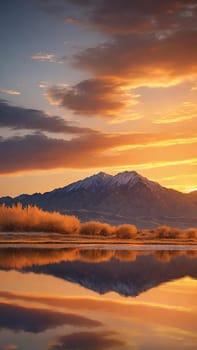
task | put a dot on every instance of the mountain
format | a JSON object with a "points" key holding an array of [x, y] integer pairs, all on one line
{"points": [[125, 197]]}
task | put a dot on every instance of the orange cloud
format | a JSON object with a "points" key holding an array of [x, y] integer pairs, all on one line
{"points": [[186, 112], [92, 97], [150, 45], [19, 154], [144, 60], [153, 46]]}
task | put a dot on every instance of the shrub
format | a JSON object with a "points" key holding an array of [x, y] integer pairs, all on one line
{"points": [[94, 228], [167, 232], [126, 231], [191, 233]]}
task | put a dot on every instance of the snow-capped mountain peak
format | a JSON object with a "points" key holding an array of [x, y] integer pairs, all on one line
{"points": [[95, 181], [130, 179], [126, 177], [101, 179]]}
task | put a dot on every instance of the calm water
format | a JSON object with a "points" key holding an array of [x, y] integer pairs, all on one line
{"points": [[97, 299]]}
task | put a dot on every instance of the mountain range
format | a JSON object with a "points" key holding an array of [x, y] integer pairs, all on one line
{"points": [[126, 197]]}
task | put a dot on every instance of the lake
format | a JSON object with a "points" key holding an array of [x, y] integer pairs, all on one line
{"points": [[97, 298]]}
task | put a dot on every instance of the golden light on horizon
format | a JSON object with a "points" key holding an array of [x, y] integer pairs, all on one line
{"points": [[119, 93]]}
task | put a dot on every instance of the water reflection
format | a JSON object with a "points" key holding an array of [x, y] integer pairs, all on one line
{"points": [[38, 320], [131, 300], [88, 341], [125, 272], [22, 257]]}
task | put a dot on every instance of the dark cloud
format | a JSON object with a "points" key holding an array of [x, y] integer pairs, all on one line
{"points": [[40, 152], [143, 60], [91, 97], [88, 341], [123, 17], [62, 7], [54, 7], [23, 118], [19, 318], [126, 16]]}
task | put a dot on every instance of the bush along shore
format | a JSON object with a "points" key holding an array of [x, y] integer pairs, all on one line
{"points": [[32, 219]]}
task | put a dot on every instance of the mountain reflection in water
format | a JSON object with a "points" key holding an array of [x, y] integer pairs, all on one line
{"points": [[131, 300]]}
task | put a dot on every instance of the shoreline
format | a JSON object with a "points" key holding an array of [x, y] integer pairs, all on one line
{"points": [[101, 245], [44, 238]]}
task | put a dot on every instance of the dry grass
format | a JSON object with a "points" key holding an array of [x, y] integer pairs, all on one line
{"points": [[33, 219]]}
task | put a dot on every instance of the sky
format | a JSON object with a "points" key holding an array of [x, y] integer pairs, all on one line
{"points": [[96, 85]]}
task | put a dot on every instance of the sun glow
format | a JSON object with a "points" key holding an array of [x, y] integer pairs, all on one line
{"points": [[190, 189]]}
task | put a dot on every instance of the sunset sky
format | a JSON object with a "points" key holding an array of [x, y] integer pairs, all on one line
{"points": [[91, 85]]}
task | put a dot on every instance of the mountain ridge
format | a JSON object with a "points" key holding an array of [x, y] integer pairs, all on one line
{"points": [[127, 194], [101, 173]]}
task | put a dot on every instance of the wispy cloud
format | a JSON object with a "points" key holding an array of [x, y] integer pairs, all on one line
{"points": [[186, 111], [9, 92], [194, 88], [72, 20], [46, 85], [43, 85], [45, 57]]}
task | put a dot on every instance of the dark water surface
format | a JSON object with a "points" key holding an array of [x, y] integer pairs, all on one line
{"points": [[85, 298]]}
